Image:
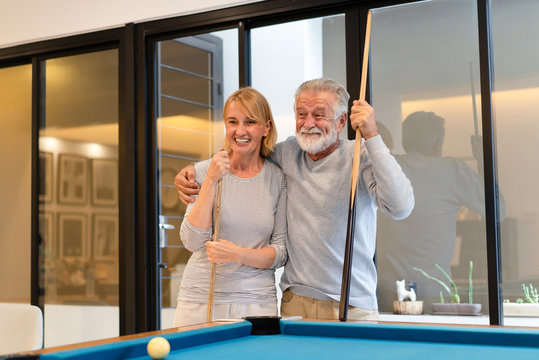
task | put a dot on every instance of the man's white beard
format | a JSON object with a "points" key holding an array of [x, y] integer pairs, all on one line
{"points": [[316, 144]]}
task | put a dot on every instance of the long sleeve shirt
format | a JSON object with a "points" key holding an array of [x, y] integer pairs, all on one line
{"points": [[318, 205], [253, 215]]}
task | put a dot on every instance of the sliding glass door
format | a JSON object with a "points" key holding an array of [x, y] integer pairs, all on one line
{"points": [[191, 87]]}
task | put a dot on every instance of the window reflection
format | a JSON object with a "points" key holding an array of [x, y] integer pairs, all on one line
{"points": [[78, 144], [424, 57], [516, 87], [15, 182], [432, 234]]}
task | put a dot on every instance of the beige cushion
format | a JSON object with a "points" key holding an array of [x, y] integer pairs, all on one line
{"points": [[21, 326]]}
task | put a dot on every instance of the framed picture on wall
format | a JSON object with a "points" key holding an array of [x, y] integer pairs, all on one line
{"points": [[104, 182], [105, 236], [72, 179], [72, 234], [45, 176]]}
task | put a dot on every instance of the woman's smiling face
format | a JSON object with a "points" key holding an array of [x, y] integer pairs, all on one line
{"points": [[244, 134]]}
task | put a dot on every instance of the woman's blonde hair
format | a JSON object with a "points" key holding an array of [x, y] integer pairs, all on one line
{"points": [[256, 107]]}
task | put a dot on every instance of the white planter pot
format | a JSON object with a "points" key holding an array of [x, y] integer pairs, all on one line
{"points": [[456, 309], [526, 309]]}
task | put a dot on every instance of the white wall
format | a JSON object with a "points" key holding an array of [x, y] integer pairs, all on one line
{"points": [[33, 20]]}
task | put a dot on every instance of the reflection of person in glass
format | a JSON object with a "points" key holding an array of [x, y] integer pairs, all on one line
{"points": [[427, 237], [253, 230]]}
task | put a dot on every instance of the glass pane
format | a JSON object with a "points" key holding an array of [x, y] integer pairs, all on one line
{"points": [[191, 89], [306, 50], [425, 87], [516, 85], [179, 85], [186, 57], [78, 144], [16, 183]]}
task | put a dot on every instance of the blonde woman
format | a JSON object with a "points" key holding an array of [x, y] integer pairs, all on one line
{"points": [[253, 231]]}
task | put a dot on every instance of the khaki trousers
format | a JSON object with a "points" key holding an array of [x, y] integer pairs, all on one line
{"points": [[309, 308]]}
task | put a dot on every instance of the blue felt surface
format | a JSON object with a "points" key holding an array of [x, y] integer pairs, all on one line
{"points": [[136, 348], [329, 340], [308, 347], [423, 333]]}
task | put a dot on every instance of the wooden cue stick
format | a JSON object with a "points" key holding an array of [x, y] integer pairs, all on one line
{"points": [[349, 247], [209, 316]]}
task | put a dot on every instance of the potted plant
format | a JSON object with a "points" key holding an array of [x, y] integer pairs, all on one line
{"points": [[455, 307], [529, 306]]}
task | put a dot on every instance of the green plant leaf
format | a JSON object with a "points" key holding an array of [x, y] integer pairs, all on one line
{"points": [[455, 298], [470, 284], [435, 279]]}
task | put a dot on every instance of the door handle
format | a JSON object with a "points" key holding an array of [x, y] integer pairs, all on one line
{"points": [[163, 228]]}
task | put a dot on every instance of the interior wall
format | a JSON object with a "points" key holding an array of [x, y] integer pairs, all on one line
{"points": [[15, 183], [33, 20]]}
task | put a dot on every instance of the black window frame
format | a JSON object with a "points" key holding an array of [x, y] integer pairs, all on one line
{"points": [[121, 38], [138, 226]]}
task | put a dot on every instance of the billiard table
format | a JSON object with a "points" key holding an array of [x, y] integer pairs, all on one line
{"points": [[300, 339]]}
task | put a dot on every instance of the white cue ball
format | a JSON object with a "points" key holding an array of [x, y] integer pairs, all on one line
{"points": [[158, 347]]}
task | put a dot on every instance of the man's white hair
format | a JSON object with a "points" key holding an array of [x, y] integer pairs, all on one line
{"points": [[327, 85]]}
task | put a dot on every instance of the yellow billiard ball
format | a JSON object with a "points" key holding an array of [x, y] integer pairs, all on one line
{"points": [[158, 347]]}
